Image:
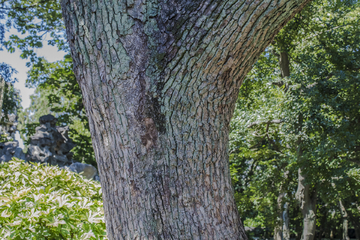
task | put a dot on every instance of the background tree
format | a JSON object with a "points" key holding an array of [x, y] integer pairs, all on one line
{"points": [[319, 95], [57, 90], [58, 93]]}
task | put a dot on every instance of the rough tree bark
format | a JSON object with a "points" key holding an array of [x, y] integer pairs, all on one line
{"points": [[306, 196], [159, 80]]}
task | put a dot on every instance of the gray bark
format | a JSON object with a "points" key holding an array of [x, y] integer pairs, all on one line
{"points": [[284, 64], [2, 91], [345, 218], [160, 80], [332, 228], [281, 230], [306, 197], [278, 230], [286, 221]]}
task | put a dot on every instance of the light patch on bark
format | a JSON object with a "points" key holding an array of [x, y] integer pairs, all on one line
{"points": [[345, 223], [306, 196]]}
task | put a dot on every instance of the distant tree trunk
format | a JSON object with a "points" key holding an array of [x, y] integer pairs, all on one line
{"points": [[281, 230], [160, 80], [286, 222], [355, 221], [2, 91], [331, 234], [345, 221], [306, 197], [297, 223], [284, 64], [278, 230], [323, 219]]}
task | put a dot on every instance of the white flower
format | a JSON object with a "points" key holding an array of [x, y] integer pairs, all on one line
{"points": [[85, 203], [31, 228], [37, 197], [17, 174], [29, 204], [15, 223], [5, 233], [62, 200], [56, 222], [88, 235], [34, 214], [94, 218], [5, 215]]}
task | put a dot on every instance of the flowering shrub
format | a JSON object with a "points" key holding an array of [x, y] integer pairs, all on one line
{"points": [[46, 202]]}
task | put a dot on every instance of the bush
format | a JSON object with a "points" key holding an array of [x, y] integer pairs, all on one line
{"points": [[46, 202]]}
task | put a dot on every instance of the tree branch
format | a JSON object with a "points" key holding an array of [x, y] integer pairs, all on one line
{"points": [[276, 121], [353, 161]]}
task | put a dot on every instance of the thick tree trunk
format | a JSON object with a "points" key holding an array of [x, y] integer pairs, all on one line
{"points": [[306, 197], [160, 79]]}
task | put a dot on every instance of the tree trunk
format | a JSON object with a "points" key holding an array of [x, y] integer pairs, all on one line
{"points": [[278, 230], [281, 230], [355, 220], [286, 221], [331, 234], [160, 80], [2, 91], [345, 225], [306, 197], [285, 72], [284, 64]]}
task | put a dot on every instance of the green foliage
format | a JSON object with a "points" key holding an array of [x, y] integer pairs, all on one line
{"points": [[257, 150], [36, 19], [308, 120], [10, 105], [45, 202], [11, 101]]}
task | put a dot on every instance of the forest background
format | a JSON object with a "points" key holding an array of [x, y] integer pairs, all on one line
{"points": [[294, 144]]}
